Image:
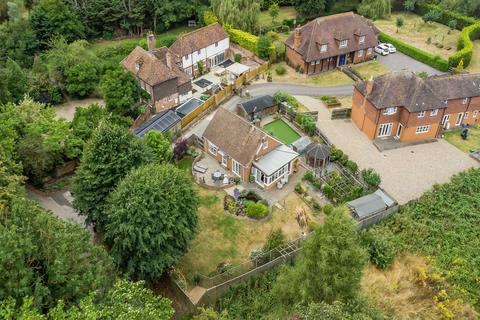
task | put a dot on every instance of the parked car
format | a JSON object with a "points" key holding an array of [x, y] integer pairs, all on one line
{"points": [[382, 49], [390, 47]]}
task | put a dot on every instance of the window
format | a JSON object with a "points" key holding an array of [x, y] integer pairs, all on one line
{"points": [[236, 167], [361, 39], [212, 148], [369, 51], [465, 116], [323, 48], [422, 129], [137, 65], [187, 56], [465, 101], [433, 113], [265, 144], [389, 111], [475, 113], [343, 43], [360, 53], [199, 51], [216, 44], [421, 114], [385, 130]]}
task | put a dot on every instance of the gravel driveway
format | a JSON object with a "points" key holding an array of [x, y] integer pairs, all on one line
{"points": [[401, 62], [406, 172]]}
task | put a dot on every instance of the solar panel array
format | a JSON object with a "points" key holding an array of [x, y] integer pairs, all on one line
{"points": [[161, 122]]}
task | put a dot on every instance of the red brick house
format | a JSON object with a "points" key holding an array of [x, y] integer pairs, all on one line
{"points": [[328, 42], [409, 108], [247, 151]]}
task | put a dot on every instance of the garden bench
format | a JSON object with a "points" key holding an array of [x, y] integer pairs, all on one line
{"points": [[199, 168]]}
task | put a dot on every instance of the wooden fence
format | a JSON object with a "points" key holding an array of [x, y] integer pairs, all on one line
{"points": [[341, 113]]}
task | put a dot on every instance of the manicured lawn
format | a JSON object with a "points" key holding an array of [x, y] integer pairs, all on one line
{"points": [[416, 32], [371, 69], [265, 20], [325, 79], [223, 237], [282, 131], [472, 143], [474, 65]]}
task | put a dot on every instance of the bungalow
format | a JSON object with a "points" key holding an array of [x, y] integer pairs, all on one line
{"points": [[328, 42], [247, 151], [159, 74], [408, 108], [209, 44], [257, 107]]}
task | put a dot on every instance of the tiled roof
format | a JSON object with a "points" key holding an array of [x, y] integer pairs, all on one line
{"points": [[151, 66], [331, 30], [257, 103], [198, 39], [234, 135]]}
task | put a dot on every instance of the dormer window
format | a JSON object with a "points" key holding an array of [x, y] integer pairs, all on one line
{"points": [[343, 43], [390, 111], [137, 65], [323, 48], [361, 39]]}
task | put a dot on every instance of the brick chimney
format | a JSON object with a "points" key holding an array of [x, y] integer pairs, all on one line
{"points": [[296, 38], [151, 41], [370, 85]]}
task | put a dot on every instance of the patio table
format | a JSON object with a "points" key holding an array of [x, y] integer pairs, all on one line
{"points": [[217, 175]]}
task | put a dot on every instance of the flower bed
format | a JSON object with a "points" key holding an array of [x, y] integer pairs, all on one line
{"points": [[331, 102], [246, 203]]}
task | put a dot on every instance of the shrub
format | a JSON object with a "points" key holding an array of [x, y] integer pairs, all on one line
{"points": [[166, 41], [275, 239], [263, 45], [237, 57], [251, 179], [351, 165], [316, 206], [371, 177], [247, 40], [209, 17], [309, 176], [317, 184], [432, 15], [236, 180], [180, 149], [380, 252], [280, 69], [452, 24], [327, 191], [281, 96], [446, 15], [343, 159], [256, 210], [432, 60], [273, 36], [299, 188], [465, 46], [328, 209]]}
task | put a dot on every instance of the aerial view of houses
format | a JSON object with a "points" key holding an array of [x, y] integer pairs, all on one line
{"points": [[241, 159]]}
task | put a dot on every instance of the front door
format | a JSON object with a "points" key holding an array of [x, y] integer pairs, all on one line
{"points": [[445, 121], [385, 130], [459, 119], [224, 160], [341, 62], [399, 131]]}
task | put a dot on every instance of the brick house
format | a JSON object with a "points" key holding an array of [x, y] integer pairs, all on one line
{"points": [[246, 150], [158, 72], [328, 42], [209, 44], [409, 108]]}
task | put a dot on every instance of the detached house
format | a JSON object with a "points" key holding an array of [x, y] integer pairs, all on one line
{"points": [[209, 44], [159, 73], [409, 108], [328, 42], [247, 151]]}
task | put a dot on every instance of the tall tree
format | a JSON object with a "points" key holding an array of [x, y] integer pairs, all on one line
{"points": [[375, 9], [160, 145], [150, 220], [13, 82], [330, 267], [241, 14], [273, 11], [310, 8], [108, 156]]}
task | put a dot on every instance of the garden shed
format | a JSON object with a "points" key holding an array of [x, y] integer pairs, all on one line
{"points": [[301, 144], [317, 156], [257, 107], [372, 208]]}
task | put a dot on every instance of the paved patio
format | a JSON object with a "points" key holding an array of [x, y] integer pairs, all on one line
{"points": [[212, 166], [406, 172]]}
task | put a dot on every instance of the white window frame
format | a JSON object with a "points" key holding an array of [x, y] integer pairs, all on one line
{"points": [[199, 51], [465, 101], [422, 129], [265, 144], [212, 148], [475, 113], [389, 111], [324, 48], [421, 114], [361, 39], [433, 113], [236, 167], [343, 44], [459, 119], [369, 51], [360, 53], [465, 116], [385, 130]]}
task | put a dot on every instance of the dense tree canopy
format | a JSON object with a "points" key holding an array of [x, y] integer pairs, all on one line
{"points": [[375, 9], [151, 220], [241, 14], [310, 8], [13, 82], [108, 156], [160, 145]]}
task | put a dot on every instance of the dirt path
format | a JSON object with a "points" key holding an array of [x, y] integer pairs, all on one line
{"points": [[67, 109]]}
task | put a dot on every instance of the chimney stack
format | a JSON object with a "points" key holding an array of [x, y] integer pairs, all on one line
{"points": [[296, 38], [151, 41], [370, 85]]}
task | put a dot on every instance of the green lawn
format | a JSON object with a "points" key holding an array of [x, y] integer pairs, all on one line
{"points": [[472, 143], [265, 20], [371, 69], [282, 131]]}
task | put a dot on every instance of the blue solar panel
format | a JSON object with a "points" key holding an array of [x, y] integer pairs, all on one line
{"points": [[161, 122]]}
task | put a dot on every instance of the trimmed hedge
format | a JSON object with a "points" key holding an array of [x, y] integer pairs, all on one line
{"points": [[247, 40], [432, 60], [465, 46], [446, 15]]}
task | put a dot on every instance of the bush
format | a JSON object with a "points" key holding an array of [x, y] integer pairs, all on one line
{"points": [[281, 96], [351, 165], [317, 184], [263, 44], [236, 180], [280, 69], [371, 177], [299, 188], [166, 41], [247, 40], [446, 15], [237, 57], [327, 191], [380, 252], [316, 206], [273, 36], [309, 176], [256, 210], [434, 61], [209, 17], [465, 46], [328, 209], [275, 239], [432, 15]]}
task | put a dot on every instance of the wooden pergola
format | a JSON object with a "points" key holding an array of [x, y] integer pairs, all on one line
{"points": [[317, 156]]}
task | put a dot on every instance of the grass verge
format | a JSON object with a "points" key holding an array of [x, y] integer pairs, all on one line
{"points": [[472, 143]]}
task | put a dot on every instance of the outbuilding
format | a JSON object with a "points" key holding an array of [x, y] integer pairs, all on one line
{"points": [[317, 156], [257, 107], [372, 208]]}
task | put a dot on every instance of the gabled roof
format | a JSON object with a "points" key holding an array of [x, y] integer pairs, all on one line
{"points": [[152, 67], [456, 86], [370, 204], [257, 103], [198, 39], [330, 30], [162, 122], [235, 136], [275, 159], [402, 89]]}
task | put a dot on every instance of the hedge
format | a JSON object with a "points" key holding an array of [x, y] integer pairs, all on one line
{"points": [[247, 40], [465, 46], [432, 60], [446, 15]]}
